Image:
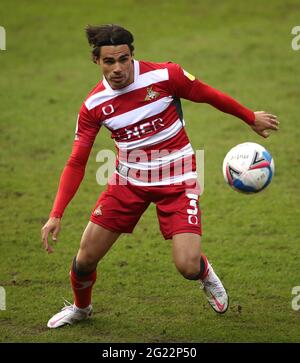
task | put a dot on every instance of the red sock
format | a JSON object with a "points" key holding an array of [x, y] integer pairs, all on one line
{"points": [[203, 267], [82, 288]]}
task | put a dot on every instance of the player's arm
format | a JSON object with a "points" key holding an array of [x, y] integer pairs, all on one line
{"points": [[260, 121], [71, 176], [186, 86], [69, 183]]}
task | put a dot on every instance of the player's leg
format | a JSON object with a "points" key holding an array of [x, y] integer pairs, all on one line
{"points": [[180, 219], [187, 255], [95, 243], [193, 265], [117, 211]]}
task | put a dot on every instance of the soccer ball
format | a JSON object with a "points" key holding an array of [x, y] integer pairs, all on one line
{"points": [[248, 168]]}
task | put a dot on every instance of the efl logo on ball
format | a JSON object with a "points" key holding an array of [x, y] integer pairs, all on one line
{"points": [[248, 168]]}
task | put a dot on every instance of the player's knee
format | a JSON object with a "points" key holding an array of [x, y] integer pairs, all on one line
{"points": [[189, 269], [86, 261], [191, 275]]}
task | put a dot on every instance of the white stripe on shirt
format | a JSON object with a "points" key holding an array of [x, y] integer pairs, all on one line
{"points": [[138, 114], [141, 81], [168, 181], [161, 161]]}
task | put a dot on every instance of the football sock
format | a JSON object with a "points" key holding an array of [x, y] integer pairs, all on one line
{"points": [[203, 267], [82, 284]]}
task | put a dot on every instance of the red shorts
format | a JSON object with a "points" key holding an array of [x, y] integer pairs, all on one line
{"points": [[120, 207]]}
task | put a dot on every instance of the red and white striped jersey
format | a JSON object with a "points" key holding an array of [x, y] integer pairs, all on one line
{"points": [[146, 122]]}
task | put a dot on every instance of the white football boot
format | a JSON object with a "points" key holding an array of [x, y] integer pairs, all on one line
{"points": [[68, 315], [215, 291]]}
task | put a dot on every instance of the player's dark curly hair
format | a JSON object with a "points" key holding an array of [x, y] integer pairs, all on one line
{"points": [[109, 34]]}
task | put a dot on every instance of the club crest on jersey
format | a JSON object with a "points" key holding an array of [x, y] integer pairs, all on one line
{"points": [[151, 95]]}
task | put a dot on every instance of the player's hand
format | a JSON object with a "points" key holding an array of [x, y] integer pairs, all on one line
{"points": [[264, 123], [52, 227]]}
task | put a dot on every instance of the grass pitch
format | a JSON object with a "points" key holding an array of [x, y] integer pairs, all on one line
{"points": [[242, 48]]}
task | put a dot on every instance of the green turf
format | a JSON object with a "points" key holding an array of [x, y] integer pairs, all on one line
{"points": [[242, 48]]}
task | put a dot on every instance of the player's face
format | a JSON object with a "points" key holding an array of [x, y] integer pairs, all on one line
{"points": [[116, 63]]}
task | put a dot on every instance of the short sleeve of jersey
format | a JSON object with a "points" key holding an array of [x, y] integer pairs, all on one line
{"points": [[180, 81], [87, 127]]}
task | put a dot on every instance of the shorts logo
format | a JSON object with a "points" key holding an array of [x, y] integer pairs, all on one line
{"points": [[98, 211], [192, 213], [108, 110]]}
